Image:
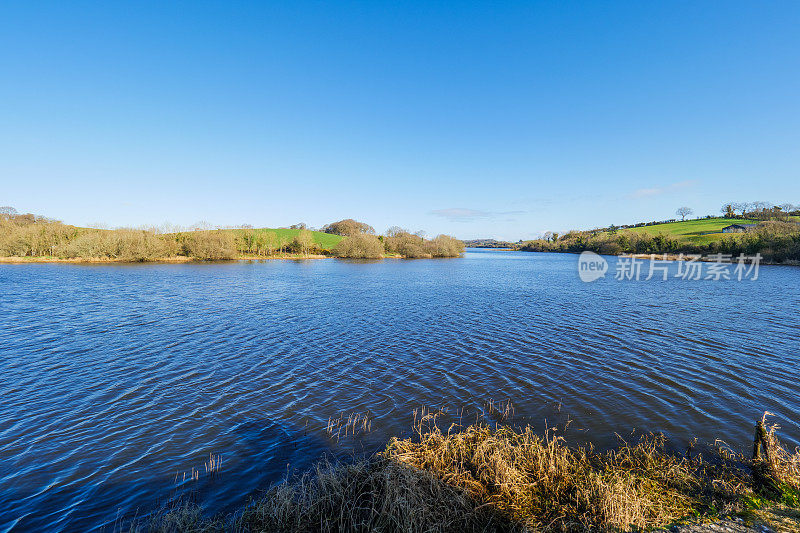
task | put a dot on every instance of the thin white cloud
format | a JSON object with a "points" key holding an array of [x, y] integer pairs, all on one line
{"points": [[463, 214], [643, 193], [656, 191]]}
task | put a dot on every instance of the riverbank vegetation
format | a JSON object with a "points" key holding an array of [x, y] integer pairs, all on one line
{"points": [[360, 247], [398, 242], [31, 236], [775, 241], [773, 232], [348, 227], [494, 477], [34, 237]]}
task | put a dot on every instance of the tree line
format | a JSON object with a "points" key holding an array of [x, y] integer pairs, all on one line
{"points": [[749, 210], [361, 243], [28, 235], [775, 240], [759, 210]]}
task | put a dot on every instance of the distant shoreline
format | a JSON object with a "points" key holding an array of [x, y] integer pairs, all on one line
{"points": [[703, 258], [664, 257], [175, 259], [178, 259]]}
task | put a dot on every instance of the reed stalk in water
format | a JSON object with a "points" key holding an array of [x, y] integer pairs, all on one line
{"points": [[498, 478]]}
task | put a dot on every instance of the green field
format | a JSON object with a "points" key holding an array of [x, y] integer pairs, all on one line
{"points": [[326, 241], [701, 231]]}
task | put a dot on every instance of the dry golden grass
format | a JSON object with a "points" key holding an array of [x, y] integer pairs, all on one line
{"points": [[498, 478], [542, 483], [782, 465], [377, 495]]}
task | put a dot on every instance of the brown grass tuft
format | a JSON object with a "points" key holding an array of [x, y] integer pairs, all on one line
{"points": [[377, 495], [542, 483], [498, 478], [774, 468]]}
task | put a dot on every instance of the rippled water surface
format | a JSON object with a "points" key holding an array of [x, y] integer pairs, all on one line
{"points": [[115, 379]]}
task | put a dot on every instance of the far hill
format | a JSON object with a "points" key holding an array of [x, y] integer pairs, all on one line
{"points": [[777, 241], [324, 241], [488, 243], [702, 231]]}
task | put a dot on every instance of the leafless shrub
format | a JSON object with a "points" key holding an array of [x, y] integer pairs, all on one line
{"points": [[359, 247], [402, 242], [209, 245], [445, 246]]}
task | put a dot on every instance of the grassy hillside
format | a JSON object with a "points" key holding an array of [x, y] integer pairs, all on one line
{"points": [[701, 231], [325, 241]]}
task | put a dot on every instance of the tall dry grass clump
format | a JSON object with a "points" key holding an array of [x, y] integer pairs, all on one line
{"points": [[498, 478], [776, 471], [543, 484], [376, 495]]}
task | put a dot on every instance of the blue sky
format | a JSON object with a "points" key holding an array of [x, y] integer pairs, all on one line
{"points": [[495, 119]]}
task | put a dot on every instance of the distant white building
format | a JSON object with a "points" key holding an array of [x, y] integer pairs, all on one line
{"points": [[738, 228]]}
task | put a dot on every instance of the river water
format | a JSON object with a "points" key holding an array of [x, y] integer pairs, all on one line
{"points": [[116, 381]]}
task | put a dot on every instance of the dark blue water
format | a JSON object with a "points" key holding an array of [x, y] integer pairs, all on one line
{"points": [[115, 379]]}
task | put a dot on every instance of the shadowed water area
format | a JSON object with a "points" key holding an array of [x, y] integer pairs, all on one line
{"points": [[115, 379]]}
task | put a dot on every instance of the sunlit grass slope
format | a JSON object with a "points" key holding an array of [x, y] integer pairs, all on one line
{"points": [[701, 231], [325, 241]]}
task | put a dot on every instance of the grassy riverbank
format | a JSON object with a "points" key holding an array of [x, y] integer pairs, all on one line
{"points": [[499, 478], [697, 232], [776, 241], [170, 260], [28, 238]]}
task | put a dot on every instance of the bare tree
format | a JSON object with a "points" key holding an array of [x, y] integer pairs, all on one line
{"points": [[247, 239], [728, 210], [761, 210], [304, 241], [97, 225], [348, 227], [746, 206], [394, 231], [200, 226], [684, 212], [266, 242]]}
